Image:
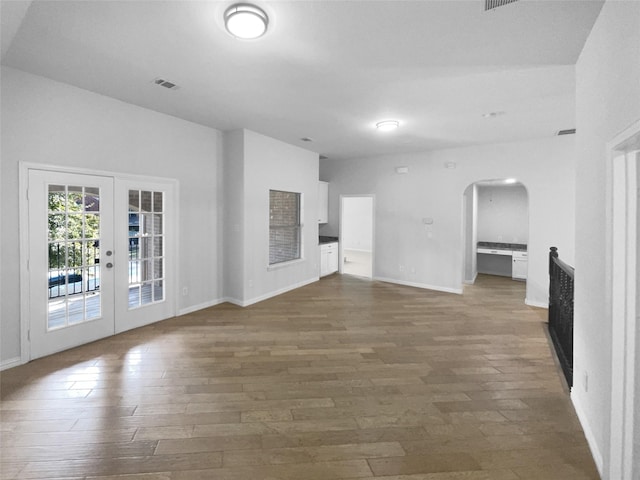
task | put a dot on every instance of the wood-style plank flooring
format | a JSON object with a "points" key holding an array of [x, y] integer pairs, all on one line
{"points": [[341, 379]]}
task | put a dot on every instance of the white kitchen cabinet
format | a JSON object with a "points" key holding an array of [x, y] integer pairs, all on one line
{"points": [[328, 258], [519, 265], [323, 202]]}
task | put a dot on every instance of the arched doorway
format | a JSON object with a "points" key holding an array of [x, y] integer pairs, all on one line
{"points": [[496, 229]]}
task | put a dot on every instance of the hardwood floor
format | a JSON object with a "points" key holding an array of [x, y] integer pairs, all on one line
{"points": [[341, 379]]}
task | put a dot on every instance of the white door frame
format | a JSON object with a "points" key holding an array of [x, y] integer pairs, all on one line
{"points": [[622, 234], [23, 232], [373, 231]]}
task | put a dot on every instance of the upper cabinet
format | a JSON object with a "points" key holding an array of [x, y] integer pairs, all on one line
{"points": [[323, 202]]}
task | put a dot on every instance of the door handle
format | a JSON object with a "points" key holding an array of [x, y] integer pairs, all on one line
{"points": [[109, 265]]}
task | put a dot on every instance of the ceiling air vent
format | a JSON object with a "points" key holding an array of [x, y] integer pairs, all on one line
{"points": [[165, 83], [569, 131], [491, 4]]}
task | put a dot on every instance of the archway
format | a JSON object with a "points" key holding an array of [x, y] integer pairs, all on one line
{"points": [[495, 229]]}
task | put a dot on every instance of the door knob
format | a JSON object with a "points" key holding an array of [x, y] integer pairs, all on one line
{"points": [[109, 265]]}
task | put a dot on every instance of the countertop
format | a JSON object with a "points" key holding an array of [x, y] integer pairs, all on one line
{"points": [[323, 239], [516, 247]]}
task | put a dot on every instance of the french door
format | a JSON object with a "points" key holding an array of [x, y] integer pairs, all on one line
{"points": [[100, 257]]}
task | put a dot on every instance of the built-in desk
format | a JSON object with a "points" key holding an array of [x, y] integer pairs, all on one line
{"points": [[505, 259]]}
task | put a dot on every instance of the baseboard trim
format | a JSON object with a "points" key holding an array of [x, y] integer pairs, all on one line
{"points": [[472, 281], [533, 303], [275, 293], [457, 291], [588, 433], [201, 306], [10, 363]]}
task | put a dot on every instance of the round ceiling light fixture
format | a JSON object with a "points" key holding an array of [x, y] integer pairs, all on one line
{"points": [[245, 21], [387, 125]]}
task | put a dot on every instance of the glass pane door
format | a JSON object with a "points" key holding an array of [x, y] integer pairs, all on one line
{"points": [[146, 240], [70, 260], [73, 239]]}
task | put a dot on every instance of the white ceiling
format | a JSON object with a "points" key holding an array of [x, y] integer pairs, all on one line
{"points": [[326, 69]]}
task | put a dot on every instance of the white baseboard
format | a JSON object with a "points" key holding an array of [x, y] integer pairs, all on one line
{"points": [[457, 291], [588, 433], [10, 363], [275, 293], [233, 301], [472, 281], [201, 306], [533, 303]]}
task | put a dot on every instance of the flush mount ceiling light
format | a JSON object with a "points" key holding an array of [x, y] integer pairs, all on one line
{"points": [[510, 180], [245, 21], [387, 125]]}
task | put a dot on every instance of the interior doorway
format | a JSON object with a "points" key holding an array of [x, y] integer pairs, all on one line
{"points": [[356, 235], [624, 228], [496, 229]]}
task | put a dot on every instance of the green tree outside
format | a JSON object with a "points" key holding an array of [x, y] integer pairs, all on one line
{"points": [[74, 228]]}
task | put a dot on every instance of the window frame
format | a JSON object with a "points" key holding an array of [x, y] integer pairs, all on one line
{"points": [[297, 227]]}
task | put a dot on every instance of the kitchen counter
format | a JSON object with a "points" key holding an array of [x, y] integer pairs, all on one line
{"points": [[506, 259], [323, 240], [514, 247]]}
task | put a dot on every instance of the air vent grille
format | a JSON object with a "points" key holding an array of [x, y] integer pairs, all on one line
{"points": [[491, 4], [569, 131], [165, 83]]}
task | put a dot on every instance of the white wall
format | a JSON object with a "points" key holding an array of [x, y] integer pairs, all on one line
{"points": [[503, 214], [470, 234], [357, 223], [234, 216], [545, 167], [48, 122], [607, 101], [268, 164]]}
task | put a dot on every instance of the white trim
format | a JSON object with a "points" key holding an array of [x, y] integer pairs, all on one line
{"points": [[535, 303], [588, 433], [275, 293], [233, 301], [99, 173], [11, 363], [472, 281], [202, 306], [457, 291], [288, 263], [621, 292], [23, 229]]}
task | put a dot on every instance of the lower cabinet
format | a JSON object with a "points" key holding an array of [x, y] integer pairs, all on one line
{"points": [[519, 266], [328, 258]]}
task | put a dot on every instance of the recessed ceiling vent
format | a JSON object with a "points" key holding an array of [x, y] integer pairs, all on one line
{"points": [[165, 83], [491, 4], [570, 131]]}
